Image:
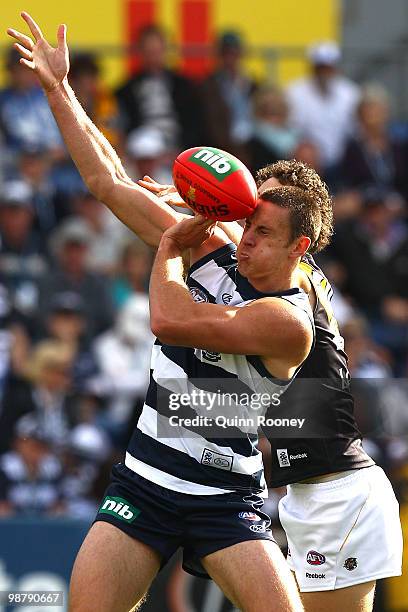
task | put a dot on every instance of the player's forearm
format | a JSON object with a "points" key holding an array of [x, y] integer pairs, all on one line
{"points": [[94, 157], [170, 298], [103, 173]]}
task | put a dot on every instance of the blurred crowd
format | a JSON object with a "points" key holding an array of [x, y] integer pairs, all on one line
{"points": [[74, 337]]}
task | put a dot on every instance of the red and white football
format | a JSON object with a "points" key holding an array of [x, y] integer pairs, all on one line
{"points": [[215, 184]]}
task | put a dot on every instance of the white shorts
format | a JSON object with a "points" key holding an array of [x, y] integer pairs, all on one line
{"points": [[342, 532]]}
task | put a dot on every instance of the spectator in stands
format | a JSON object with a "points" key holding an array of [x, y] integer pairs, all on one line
{"points": [[35, 167], [106, 235], [70, 246], [66, 323], [49, 370], [5, 336], [123, 355], [147, 153], [23, 255], [381, 399], [373, 250], [307, 152], [87, 448], [322, 106], [372, 156], [24, 113], [15, 397], [134, 271], [226, 96], [159, 97], [273, 138], [30, 474], [99, 104], [365, 358]]}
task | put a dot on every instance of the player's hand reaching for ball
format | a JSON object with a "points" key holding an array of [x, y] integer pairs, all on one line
{"points": [[190, 233], [167, 193], [50, 64]]}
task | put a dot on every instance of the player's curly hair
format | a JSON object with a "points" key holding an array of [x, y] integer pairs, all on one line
{"points": [[294, 173]]}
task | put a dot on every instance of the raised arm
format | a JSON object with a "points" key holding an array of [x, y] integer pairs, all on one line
{"points": [[95, 158]]}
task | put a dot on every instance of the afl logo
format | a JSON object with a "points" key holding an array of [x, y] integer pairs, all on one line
{"points": [[249, 516], [226, 298], [198, 295], [315, 558]]}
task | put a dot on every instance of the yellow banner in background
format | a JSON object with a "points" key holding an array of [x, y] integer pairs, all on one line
{"points": [[90, 23], [281, 24], [262, 23]]}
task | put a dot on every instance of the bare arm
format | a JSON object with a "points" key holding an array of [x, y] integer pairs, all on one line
{"points": [[143, 212], [98, 163], [269, 327], [100, 167]]}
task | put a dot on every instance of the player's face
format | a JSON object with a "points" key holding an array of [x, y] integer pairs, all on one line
{"points": [[266, 242]]}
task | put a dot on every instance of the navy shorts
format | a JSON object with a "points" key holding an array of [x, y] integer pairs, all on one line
{"points": [[166, 520]]}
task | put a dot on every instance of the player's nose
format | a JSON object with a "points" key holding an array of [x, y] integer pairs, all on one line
{"points": [[248, 239]]}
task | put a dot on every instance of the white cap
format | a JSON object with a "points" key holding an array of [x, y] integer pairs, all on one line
{"points": [[324, 54], [132, 322], [146, 143], [16, 193], [72, 229], [90, 442]]}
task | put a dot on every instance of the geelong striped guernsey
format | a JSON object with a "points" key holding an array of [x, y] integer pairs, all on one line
{"points": [[181, 458]]}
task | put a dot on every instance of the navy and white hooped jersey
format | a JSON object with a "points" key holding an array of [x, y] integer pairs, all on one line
{"points": [[181, 457]]}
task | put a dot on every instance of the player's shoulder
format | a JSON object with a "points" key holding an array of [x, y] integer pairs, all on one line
{"points": [[291, 321], [295, 302], [310, 267]]}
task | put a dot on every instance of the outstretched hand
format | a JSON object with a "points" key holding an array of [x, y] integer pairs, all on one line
{"points": [[50, 64], [167, 193]]}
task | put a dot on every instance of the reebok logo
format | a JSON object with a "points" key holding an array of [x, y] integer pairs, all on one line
{"points": [[298, 456], [315, 575], [216, 163], [117, 506]]}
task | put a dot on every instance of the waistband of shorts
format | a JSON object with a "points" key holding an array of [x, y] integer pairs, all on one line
{"points": [[330, 485]]}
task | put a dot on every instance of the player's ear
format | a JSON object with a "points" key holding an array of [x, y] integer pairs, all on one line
{"points": [[300, 246]]}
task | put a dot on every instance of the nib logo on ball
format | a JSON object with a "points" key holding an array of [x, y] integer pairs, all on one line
{"points": [[212, 160], [215, 184]]}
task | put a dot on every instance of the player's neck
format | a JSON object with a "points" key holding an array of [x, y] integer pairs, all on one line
{"points": [[279, 280]]}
